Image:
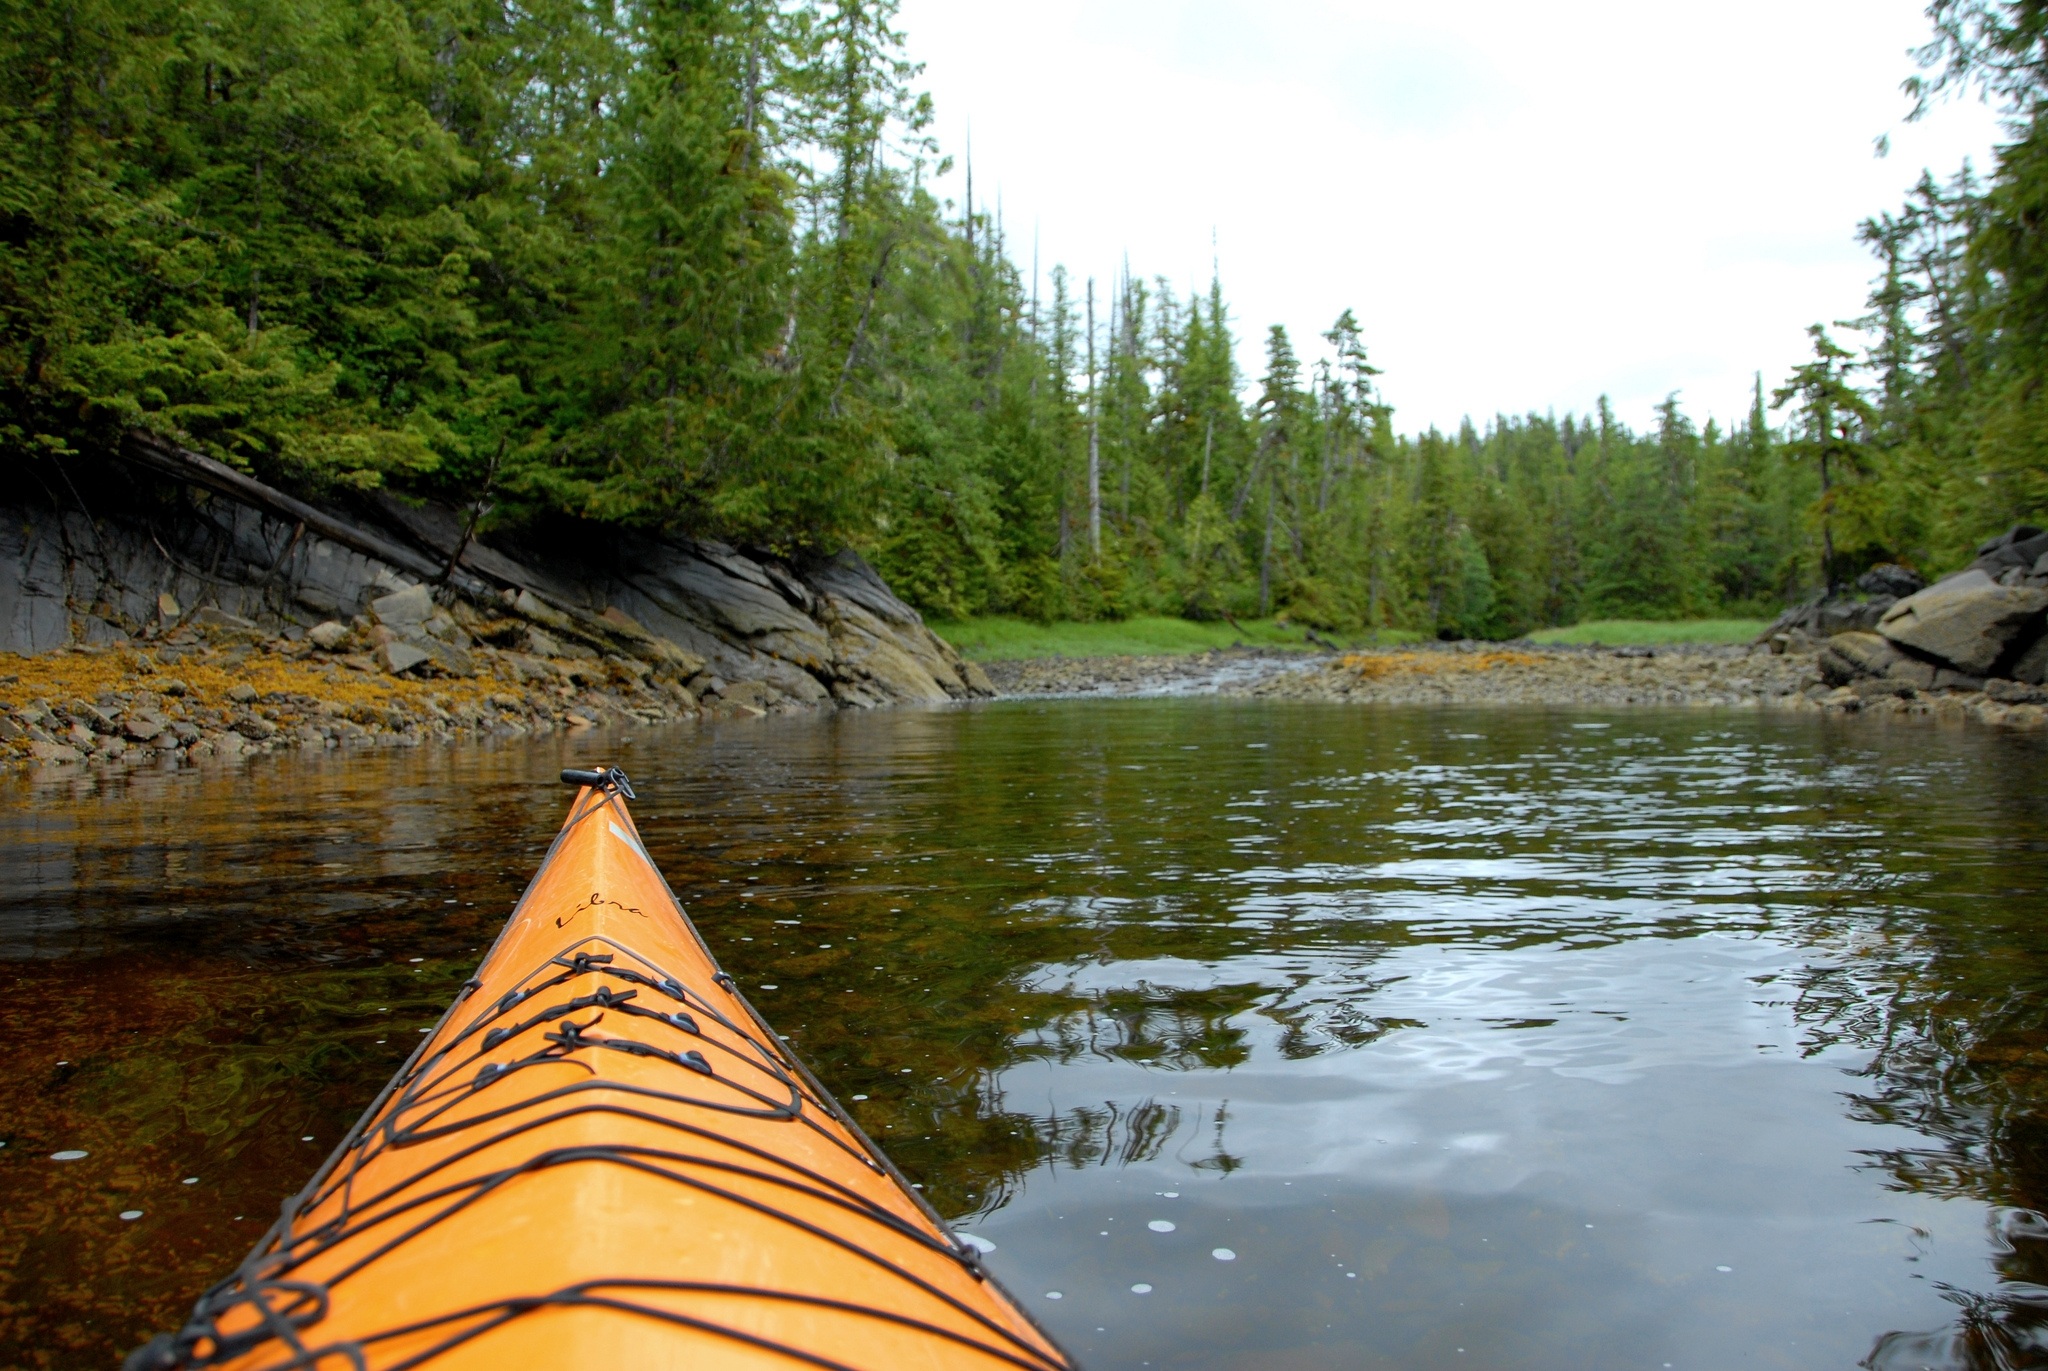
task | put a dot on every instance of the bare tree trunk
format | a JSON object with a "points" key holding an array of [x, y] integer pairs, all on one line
{"points": [[1266, 562], [860, 331], [1094, 440], [256, 272], [1827, 523]]}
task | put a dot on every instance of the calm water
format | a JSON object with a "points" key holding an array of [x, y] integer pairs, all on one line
{"points": [[1509, 1040]]}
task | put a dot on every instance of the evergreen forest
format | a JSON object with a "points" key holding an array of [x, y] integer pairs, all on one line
{"points": [[681, 264]]}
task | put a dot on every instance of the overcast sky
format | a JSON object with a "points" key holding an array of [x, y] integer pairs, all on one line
{"points": [[1528, 205]]}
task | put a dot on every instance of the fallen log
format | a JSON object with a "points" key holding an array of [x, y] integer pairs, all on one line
{"points": [[156, 454]]}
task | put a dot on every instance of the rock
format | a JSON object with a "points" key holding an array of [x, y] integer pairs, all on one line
{"points": [[404, 609], [2014, 692], [1913, 671], [531, 606], [2032, 666], [444, 629], [1849, 656], [1826, 615], [447, 659], [2017, 549], [142, 727], [329, 636], [1966, 620], [399, 657], [171, 687], [876, 671], [254, 726], [757, 694], [1944, 679], [1792, 642], [167, 607], [580, 721], [685, 606], [209, 616], [1890, 579], [542, 644], [10, 730], [92, 716], [1878, 687], [55, 752], [242, 694]]}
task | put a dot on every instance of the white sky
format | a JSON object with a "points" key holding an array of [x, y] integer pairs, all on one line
{"points": [[1528, 205]]}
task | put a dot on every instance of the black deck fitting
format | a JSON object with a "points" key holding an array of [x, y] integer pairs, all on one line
{"points": [[609, 778]]}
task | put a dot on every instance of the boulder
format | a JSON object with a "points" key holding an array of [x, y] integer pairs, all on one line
{"points": [[1878, 687], [211, 617], [1826, 615], [1967, 620], [1912, 671], [447, 659], [2017, 549], [2014, 692], [142, 727], [399, 656], [329, 637], [531, 606], [2032, 666], [403, 609], [1848, 657], [1891, 580], [242, 693]]}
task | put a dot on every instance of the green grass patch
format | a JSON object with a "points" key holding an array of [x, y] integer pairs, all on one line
{"points": [[1649, 632], [1000, 638]]}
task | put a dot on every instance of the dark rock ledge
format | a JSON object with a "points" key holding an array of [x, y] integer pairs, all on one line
{"points": [[165, 556]]}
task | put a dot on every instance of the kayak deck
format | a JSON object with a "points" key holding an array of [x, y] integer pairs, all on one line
{"points": [[603, 1157]]}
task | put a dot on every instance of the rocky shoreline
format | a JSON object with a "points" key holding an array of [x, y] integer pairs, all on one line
{"points": [[191, 613], [1972, 646], [349, 637], [1525, 674], [222, 687]]}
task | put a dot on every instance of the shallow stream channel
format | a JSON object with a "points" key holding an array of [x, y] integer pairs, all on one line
{"points": [[1249, 1035]]}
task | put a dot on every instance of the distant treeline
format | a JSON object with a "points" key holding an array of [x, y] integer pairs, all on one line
{"points": [[678, 263]]}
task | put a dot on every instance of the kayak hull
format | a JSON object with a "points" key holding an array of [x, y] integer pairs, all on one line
{"points": [[603, 1157]]}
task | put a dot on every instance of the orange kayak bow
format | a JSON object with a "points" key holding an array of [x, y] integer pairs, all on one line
{"points": [[602, 1157]]}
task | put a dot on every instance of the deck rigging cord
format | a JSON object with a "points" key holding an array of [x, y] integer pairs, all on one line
{"points": [[535, 1058]]}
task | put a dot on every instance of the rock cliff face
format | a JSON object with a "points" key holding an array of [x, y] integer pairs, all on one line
{"points": [[130, 550]]}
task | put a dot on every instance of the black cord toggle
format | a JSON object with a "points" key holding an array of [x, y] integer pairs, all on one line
{"points": [[605, 778]]}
